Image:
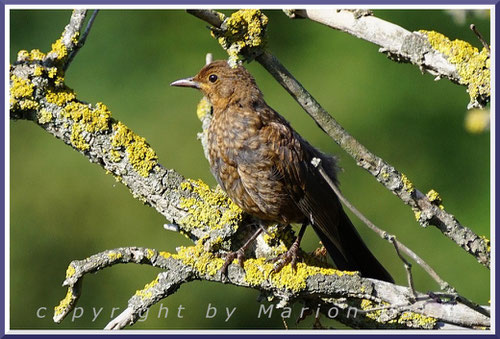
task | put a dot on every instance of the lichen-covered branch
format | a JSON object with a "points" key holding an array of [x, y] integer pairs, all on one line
{"points": [[38, 93], [356, 301], [431, 51], [428, 208]]}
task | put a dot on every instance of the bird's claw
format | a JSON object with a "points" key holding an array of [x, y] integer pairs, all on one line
{"points": [[229, 259], [289, 257]]}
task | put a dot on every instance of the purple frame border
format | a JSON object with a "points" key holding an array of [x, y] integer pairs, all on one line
{"points": [[3, 3], [248, 2]]}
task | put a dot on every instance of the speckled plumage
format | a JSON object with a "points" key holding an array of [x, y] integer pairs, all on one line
{"points": [[265, 166]]}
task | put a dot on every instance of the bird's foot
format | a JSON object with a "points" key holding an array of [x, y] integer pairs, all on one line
{"points": [[289, 257], [239, 254]]}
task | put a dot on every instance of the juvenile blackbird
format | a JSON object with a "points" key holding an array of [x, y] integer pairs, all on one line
{"points": [[265, 167]]}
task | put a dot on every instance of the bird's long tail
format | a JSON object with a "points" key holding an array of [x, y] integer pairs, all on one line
{"points": [[353, 254]]}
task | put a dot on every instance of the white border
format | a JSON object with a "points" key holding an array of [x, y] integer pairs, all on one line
{"points": [[8, 8]]}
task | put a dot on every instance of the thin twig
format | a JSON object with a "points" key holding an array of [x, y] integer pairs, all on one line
{"points": [[210, 16], [82, 40], [209, 58], [407, 265], [480, 37]]}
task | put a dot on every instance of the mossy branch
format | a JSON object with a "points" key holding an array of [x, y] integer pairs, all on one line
{"points": [[427, 209]]}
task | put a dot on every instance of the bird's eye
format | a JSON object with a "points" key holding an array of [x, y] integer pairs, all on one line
{"points": [[212, 78]]}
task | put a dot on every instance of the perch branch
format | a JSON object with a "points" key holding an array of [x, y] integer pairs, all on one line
{"points": [[369, 300], [427, 209]]}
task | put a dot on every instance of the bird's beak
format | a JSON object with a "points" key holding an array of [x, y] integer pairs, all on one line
{"points": [[188, 82]]}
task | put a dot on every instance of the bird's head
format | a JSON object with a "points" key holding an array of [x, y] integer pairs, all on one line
{"points": [[220, 83]]}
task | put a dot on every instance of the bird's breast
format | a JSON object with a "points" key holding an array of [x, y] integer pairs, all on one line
{"points": [[243, 160]]}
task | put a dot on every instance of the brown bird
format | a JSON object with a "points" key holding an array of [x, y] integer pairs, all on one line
{"points": [[265, 167]]}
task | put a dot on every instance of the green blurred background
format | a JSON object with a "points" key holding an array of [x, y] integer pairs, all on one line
{"points": [[64, 208]]}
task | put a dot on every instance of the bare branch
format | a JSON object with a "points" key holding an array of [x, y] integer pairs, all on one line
{"points": [[81, 41], [480, 36]]}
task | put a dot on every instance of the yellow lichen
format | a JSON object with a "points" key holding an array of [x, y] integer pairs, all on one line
{"points": [[203, 261], [204, 107], [164, 254], [418, 214], [146, 292], [114, 255], [417, 320], [407, 319], [74, 38], [472, 66], [477, 120], [70, 271], [367, 305], [243, 32], [258, 270], [84, 117], [92, 119], [28, 104], [201, 211], [77, 138], [407, 184], [21, 94], [140, 155], [44, 116], [59, 49], [36, 54], [435, 198], [278, 239], [52, 72], [38, 70], [23, 55], [65, 303], [149, 253], [486, 241], [60, 97], [59, 81], [20, 88], [115, 155]]}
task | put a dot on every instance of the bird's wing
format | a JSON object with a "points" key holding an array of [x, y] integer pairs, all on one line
{"points": [[286, 159]]}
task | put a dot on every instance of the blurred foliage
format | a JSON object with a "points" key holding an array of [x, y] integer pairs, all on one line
{"points": [[64, 208]]}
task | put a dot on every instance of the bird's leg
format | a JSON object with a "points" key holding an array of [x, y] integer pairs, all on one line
{"points": [[240, 254], [292, 254]]}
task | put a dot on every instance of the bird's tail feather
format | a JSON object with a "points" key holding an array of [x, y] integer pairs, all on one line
{"points": [[354, 255]]}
